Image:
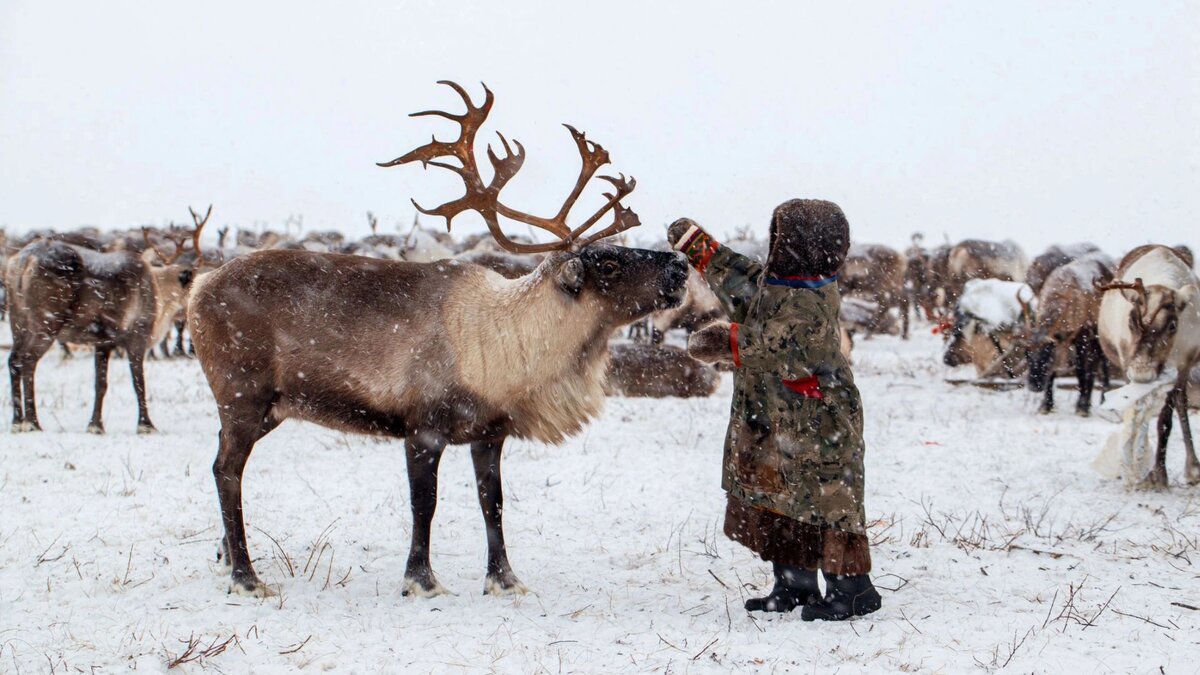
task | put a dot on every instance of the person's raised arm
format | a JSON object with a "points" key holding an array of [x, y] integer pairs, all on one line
{"points": [[733, 277]]}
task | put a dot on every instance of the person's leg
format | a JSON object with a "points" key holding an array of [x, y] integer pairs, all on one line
{"points": [[792, 548], [846, 564], [795, 557]]}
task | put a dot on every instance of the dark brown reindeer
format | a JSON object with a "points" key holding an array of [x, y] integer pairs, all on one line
{"points": [[876, 273], [658, 371], [63, 292], [1053, 258], [436, 353], [1068, 309], [919, 282], [978, 259]]}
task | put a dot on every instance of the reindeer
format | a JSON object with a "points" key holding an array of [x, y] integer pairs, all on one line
{"points": [[657, 371], [443, 353], [1054, 257], [1149, 322], [699, 308], [68, 293], [1068, 307], [876, 273], [172, 279], [987, 323], [976, 259], [918, 278]]}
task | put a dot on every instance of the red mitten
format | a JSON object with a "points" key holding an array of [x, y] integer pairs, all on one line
{"points": [[686, 236]]}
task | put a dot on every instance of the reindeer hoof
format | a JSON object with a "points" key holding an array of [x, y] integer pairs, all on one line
{"points": [[251, 588], [224, 565], [25, 427], [97, 429], [1192, 475], [506, 585], [1155, 480], [1083, 413], [426, 588], [144, 429]]}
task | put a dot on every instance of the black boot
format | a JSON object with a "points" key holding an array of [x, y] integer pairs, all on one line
{"points": [[846, 596], [794, 587]]}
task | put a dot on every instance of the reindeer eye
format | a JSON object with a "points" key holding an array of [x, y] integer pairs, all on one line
{"points": [[609, 268]]}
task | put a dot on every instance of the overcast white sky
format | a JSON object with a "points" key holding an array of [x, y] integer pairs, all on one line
{"points": [[1037, 121]]}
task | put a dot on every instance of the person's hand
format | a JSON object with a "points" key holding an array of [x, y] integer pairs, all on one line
{"points": [[678, 229], [711, 344]]}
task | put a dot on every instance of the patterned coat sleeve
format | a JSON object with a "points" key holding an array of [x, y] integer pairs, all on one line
{"points": [[733, 278]]}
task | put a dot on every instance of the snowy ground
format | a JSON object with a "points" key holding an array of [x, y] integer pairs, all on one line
{"points": [[997, 543]]}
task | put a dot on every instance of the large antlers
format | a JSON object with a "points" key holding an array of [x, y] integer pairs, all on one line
{"points": [[179, 237], [485, 199]]}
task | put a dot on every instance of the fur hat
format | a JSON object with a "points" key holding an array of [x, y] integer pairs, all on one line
{"points": [[809, 237]]}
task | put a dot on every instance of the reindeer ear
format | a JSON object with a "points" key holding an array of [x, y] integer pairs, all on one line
{"points": [[570, 275], [1186, 296]]}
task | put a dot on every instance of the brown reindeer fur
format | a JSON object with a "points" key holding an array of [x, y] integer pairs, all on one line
{"points": [[919, 282], [977, 259], [876, 273], [437, 353], [70, 294], [657, 371], [1066, 327], [1054, 257]]}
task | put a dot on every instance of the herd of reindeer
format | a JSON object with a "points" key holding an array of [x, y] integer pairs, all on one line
{"points": [[441, 341], [1071, 310]]}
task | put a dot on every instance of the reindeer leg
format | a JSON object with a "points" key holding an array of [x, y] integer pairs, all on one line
{"points": [[1048, 397], [179, 339], [1158, 475], [1191, 469], [500, 577], [423, 452], [1085, 371], [1105, 373], [96, 426], [15, 376], [904, 310], [239, 433], [137, 352], [26, 371]]}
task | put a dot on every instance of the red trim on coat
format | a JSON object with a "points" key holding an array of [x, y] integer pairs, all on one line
{"points": [[808, 387], [703, 257], [733, 345]]}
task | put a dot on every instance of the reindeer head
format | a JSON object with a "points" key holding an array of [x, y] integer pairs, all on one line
{"points": [[957, 332], [1153, 322], [628, 282]]}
